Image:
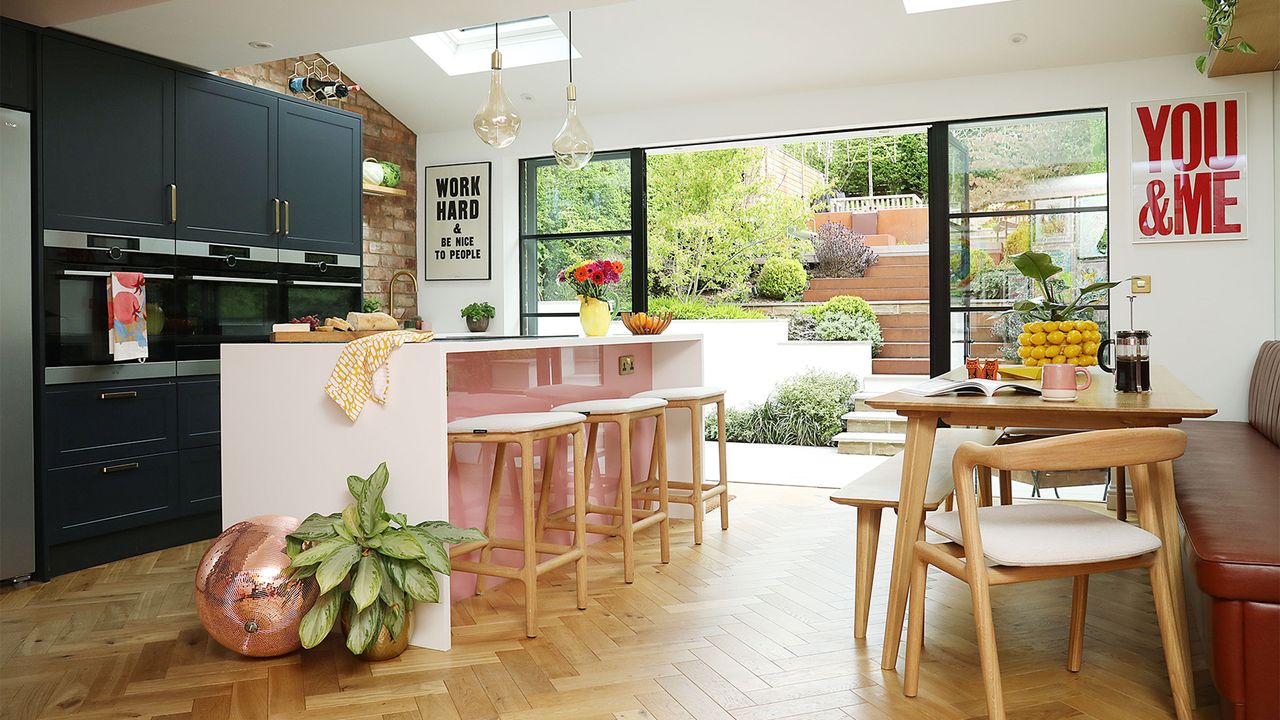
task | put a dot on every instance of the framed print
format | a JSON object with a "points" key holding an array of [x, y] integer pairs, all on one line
{"points": [[457, 235]]}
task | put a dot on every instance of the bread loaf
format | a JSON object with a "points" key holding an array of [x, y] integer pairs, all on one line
{"points": [[338, 323], [372, 321]]}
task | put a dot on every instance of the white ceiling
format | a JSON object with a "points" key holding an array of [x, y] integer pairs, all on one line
{"points": [[655, 53]]}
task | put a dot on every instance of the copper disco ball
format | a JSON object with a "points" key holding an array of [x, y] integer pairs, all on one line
{"points": [[243, 599]]}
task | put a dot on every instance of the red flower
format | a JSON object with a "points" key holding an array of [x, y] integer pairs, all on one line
{"points": [[617, 266], [580, 273], [597, 277]]}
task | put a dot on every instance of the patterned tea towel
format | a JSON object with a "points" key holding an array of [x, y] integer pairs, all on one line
{"points": [[351, 384], [127, 316]]}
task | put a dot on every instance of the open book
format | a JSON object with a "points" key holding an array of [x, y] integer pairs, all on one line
{"points": [[942, 386]]}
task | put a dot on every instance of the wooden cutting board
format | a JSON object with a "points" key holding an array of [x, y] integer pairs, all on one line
{"points": [[327, 337]]}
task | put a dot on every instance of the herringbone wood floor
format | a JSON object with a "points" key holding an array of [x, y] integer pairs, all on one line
{"points": [[753, 625]]}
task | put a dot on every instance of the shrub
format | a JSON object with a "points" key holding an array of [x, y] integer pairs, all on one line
{"points": [[702, 310], [802, 327], [842, 305], [1018, 241], [803, 410], [781, 279], [840, 252], [850, 327]]}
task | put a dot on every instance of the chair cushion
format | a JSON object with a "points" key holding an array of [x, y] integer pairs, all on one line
{"points": [[611, 406], [1264, 392], [700, 392], [513, 422], [1040, 535], [1228, 489], [880, 486]]}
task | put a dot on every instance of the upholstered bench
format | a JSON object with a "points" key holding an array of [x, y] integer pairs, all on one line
{"points": [[1228, 490], [878, 489]]}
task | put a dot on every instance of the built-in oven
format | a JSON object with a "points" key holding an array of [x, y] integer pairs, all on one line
{"points": [[76, 331], [320, 284], [225, 294]]}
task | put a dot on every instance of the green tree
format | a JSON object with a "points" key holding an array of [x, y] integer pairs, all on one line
{"points": [[711, 215], [899, 164]]}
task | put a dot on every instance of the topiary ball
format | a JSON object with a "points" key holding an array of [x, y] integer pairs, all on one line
{"points": [[243, 597]]}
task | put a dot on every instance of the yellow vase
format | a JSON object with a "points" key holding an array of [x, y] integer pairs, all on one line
{"points": [[1071, 341], [595, 316]]}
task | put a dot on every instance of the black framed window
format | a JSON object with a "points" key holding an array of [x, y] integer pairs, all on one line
{"points": [[1036, 182], [568, 216]]}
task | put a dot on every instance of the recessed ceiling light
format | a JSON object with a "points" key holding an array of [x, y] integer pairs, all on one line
{"points": [[1018, 38], [923, 6], [526, 96], [260, 44]]}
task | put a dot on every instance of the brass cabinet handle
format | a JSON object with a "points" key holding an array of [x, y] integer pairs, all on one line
{"points": [[120, 468], [173, 203], [120, 395], [286, 217], [275, 206]]}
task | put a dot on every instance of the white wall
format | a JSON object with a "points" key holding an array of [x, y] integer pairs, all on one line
{"points": [[1211, 306]]}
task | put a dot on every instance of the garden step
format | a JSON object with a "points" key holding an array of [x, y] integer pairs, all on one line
{"points": [[854, 285], [898, 294], [915, 271], [905, 350], [904, 320], [905, 334], [876, 421], [885, 259], [900, 366], [870, 443]]}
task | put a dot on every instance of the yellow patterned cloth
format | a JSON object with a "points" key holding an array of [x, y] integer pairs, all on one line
{"points": [[351, 384]]}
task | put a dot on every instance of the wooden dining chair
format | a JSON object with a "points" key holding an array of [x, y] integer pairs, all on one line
{"points": [[1044, 541]]}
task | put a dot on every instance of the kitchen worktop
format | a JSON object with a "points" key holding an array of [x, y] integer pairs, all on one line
{"points": [[287, 448]]}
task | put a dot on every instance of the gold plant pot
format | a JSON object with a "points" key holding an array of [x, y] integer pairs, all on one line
{"points": [[383, 647], [1042, 343]]}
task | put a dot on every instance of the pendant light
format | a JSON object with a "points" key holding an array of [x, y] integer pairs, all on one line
{"points": [[496, 122], [572, 147]]}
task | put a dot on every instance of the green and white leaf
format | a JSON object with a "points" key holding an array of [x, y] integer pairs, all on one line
{"points": [[356, 486], [321, 551], [351, 520], [367, 581], [335, 567], [318, 621], [434, 555], [420, 583], [401, 544], [449, 533], [370, 504], [315, 527], [364, 627], [393, 619]]}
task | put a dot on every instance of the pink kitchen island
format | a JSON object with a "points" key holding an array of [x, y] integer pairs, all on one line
{"points": [[287, 448]]}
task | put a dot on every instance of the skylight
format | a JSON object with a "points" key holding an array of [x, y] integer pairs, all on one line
{"points": [[530, 41], [923, 6]]}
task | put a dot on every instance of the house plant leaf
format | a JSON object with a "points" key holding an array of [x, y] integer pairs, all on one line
{"points": [[449, 534], [334, 568], [401, 544], [434, 555], [393, 619], [420, 583], [1039, 267], [320, 551], [367, 581], [316, 527], [363, 627], [318, 621], [351, 520], [370, 505]]}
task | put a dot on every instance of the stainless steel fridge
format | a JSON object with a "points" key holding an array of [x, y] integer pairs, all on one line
{"points": [[17, 385]]}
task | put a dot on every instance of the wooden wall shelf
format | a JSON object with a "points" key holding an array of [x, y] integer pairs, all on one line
{"points": [[1257, 21], [368, 189]]}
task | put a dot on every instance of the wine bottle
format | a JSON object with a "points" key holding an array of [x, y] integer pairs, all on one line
{"points": [[321, 89]]}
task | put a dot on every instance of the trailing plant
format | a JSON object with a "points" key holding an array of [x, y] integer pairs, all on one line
{"points": [[476, 312], [1052, 304], [781, 279], [1218, 18], [370, 305], [371, 565], [699, 309], [840, 252]]}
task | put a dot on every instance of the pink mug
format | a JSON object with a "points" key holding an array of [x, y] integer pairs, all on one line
{"points": [[1058, 382]]}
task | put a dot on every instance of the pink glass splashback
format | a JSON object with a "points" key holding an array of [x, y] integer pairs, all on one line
{"points": [[484, 383]]}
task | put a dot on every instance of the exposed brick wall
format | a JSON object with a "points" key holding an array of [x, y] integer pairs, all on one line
{"points": [[390, 223]]}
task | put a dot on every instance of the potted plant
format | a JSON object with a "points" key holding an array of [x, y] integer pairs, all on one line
{"points": [[589, 280], [370, 305], [1058, 331], [478, 316], [371, 567]]}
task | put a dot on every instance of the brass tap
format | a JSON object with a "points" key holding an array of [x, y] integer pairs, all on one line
{"points": [[391, 288]]}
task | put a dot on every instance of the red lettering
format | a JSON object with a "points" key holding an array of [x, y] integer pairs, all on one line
{"points": [[1154, 133], [1221, 201], [1186, 159], [1192, 201], [1231, 131]]}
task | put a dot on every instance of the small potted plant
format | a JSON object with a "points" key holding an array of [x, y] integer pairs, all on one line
{"points": [[371, 566], [1058, 331], [589, 280], [478, 316]]}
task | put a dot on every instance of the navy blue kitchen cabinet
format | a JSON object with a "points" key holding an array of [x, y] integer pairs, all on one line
{"points": [[199, 416], [107, 139], [200, 476], [319, 179], [98, 422], [17, 66]]}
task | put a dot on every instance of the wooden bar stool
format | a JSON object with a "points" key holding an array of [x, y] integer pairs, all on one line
{"points": [[524, 429], [624, 412], [694, 399]]}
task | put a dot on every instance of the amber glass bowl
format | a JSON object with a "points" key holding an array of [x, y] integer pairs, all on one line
{"points": [[644, 324]]}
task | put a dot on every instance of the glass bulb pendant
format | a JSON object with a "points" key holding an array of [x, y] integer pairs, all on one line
{"points": [[496, 122], [573, 147]]}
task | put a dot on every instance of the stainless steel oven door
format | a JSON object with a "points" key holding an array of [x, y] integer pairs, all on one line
{"points": [[76, 333], [226, 293]]}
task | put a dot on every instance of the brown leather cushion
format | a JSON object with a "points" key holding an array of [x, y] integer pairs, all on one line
{"points": [[1264, 392], [1228, 488]]}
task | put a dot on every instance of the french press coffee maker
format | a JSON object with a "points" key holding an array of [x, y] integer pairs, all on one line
{"points": [[1133, 360]]}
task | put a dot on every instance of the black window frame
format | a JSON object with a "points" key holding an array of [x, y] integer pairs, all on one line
{"points": [[637, 233]]}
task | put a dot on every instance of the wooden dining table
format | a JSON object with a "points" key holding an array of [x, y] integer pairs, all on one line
{"points": [[1097, 408]]}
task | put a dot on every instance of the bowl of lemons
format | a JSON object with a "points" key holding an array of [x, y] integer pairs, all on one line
{"points": [[1059, 341]]}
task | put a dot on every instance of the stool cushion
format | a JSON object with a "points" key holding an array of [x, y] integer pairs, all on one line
{"points": [[700, 392], [611, 406], [1039, 535], [514, 422]]}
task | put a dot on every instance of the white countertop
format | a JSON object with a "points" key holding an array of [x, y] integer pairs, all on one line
{"points": [[453, 343]]}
